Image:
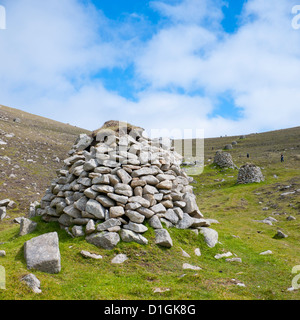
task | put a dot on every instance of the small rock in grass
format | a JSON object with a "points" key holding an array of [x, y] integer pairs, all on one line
{"points": [[87, 254], [120, 258], [189, 266]]}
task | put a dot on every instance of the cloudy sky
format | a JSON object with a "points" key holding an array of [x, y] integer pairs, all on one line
{"points": [[226, 66]]}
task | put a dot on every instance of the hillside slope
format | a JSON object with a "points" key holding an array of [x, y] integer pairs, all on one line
{"points": [[31, 148], [152, 272]]}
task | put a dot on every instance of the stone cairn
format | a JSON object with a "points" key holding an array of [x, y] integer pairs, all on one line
{"points": [[224, 160], [117, 179], [249, 173]]}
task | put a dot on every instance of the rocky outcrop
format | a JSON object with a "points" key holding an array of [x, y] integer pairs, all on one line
{"points": [[116, 180]]}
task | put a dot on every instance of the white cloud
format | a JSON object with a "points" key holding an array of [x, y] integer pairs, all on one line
{"points": [[258, 64], [191, 11], [51, 51]]}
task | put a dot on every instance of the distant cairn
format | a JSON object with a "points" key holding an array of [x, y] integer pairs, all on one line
{"points": [[250, 173], [224, 160]]}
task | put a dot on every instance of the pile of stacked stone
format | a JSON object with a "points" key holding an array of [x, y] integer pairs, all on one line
{"points": [[224, 160], [250, 173], [117, 179]]}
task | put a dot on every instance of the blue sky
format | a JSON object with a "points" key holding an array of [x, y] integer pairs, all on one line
{"points": [[229, 67]]}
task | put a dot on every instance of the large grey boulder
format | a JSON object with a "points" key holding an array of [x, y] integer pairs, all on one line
{"points": [[82, 142], [163, 238], [105, 240], [155, 223], [42, 253], [185, 222], [136, 227], [131, 236], [27, 226], [95, 208], [210, 236]]}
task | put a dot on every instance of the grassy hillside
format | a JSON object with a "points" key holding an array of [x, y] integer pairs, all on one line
{"points": [[150, 268], [33, 151]]}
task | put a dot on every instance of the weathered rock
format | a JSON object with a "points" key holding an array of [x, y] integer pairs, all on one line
{"points": [[197, 252], [171, 216], [135, 216], [42, 253], [191, 267], [145, 203], [2, 213], [77, 231], [4, 203], [118, 198], [210, 236], [223, 255], [131, 236], [65, 220], [155, 223], [72, 212], [32, 282], [123, 189], [136, 227], [82, 142], [95, 208], [90, 227], [145, 172], [165, 184], [280, 234], [233, 260], [103, 188], [162, 238], [158, 208], [27, 226], [115, 212], [120, 258], [266, 253], [105, 240], [81, 203], [186, 222], [110, 223], [150, 179], [145, 212], [200, 223], [124, 176], [149, 190], [87, 254]]}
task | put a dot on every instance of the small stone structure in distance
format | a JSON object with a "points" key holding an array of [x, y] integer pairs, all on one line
{"points": [[250, 173], [224, 160]]}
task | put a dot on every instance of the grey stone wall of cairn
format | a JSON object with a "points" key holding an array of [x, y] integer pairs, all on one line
{"points": [[114, 181]]}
